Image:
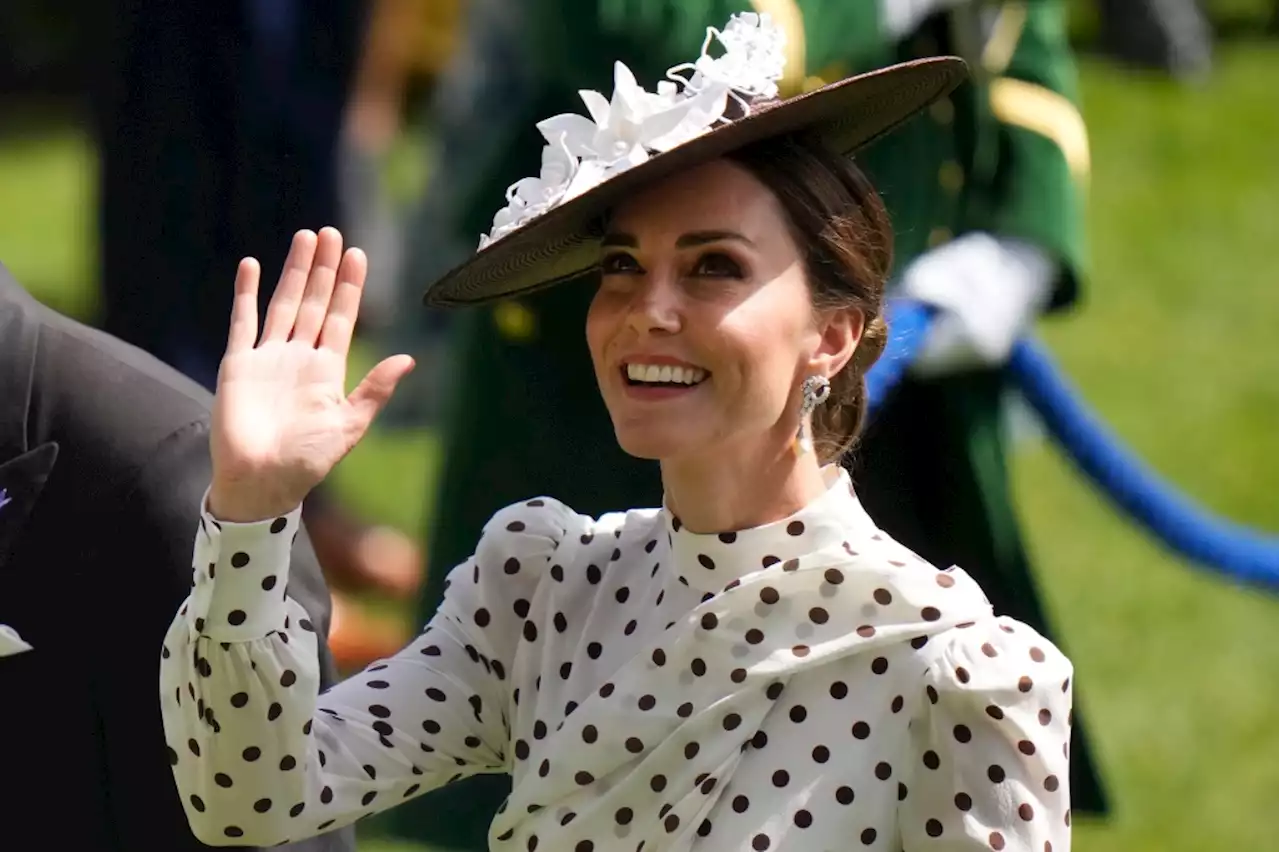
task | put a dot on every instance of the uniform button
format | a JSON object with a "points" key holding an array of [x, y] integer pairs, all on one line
{"points": [[951, 176], [942, 111], [515, 322], [938, 236]]}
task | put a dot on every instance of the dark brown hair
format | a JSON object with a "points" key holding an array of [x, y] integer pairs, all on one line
{"points": [[842, 229]]}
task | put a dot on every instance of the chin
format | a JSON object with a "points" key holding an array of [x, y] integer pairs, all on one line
{"points": [[650, 444]]}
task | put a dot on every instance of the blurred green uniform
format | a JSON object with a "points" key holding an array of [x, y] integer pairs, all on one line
{"points": [[1006, 155]]}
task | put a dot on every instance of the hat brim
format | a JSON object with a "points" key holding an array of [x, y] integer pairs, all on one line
{"points": [[561, 244]]}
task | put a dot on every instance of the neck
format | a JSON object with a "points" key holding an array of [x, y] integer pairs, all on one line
{"points": [[713, 493]]}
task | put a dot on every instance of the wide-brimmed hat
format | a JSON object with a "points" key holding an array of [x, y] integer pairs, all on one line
{"points": [[548, 232]]}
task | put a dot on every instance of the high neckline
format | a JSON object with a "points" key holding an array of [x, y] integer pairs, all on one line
{"points": [[710, 561]]}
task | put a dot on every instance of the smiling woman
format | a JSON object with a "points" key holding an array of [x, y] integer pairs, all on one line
{"points": [[753, 665]]}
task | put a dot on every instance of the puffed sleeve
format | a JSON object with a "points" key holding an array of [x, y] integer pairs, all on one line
{"points": [[259, 758], [990, 744]]}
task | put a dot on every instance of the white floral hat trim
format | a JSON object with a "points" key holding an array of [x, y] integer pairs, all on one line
{"points": [[626, 130]]}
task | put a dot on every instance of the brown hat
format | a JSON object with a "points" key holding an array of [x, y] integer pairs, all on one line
{"points": [[547, 233]]}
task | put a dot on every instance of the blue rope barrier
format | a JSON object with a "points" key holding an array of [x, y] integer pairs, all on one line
{"points": [[1243, 554]]}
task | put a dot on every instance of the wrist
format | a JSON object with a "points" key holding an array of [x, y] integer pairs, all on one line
{"points": [[240, 505]]}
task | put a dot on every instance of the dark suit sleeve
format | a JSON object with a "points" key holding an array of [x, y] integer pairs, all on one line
{"points": [[150, 550]]}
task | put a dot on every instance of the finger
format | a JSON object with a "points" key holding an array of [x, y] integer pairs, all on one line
{"points": [[244, 307], [283, 309], [372, 394], [344, 307], [315, 299]]}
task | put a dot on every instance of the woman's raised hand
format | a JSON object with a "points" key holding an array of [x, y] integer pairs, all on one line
{"points": [[281, 416]]}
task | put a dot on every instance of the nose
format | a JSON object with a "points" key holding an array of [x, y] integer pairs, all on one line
{"points": [[655, 305]]}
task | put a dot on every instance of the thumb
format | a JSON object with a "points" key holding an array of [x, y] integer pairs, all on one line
{"points": [[373, 393]]}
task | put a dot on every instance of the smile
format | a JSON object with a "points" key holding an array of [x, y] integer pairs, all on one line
{"points": [[641, 374]]}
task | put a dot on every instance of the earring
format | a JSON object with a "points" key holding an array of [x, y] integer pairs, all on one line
{"points": [[813, 393]]}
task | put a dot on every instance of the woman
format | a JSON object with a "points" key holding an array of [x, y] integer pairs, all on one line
{"points": [[752, 666]]}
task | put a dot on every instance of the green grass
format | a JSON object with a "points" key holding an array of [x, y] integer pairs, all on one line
{"points": [[1175, 346]]}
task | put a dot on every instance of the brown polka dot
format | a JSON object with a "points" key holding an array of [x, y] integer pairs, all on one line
{"points": [[798, 713], [879, 665], [931, 760], [795, 528], [962, 733], [861, 730], [868, 836], [658, 783], [844, 795], [930, 613], [1051, 783], [996, 773], [769, 595], [706, 562], [760, 842], [995, 712], [932, 693], [883, 771], [818, 615], [834, 576], [769, 560], [988, 649], [738, 675], [839, 689], [962, 674], [728, 537], [791, 565], [1026, 747], [800, 650], [897, 704], [882, 597], [963, 801], [933, 828], [1026, 812], [754, 636], [781, 778], [996, 841], [803, 819], [1037, 655], [709, 621], [866, 631], [946, 581], [1024, 684]]}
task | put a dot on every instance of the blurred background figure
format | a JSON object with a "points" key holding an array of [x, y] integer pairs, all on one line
{"points": [[1169, 35], [218, 130]]}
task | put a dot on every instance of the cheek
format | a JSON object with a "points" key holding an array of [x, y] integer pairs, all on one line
{"points": [[764, 355], [600, 325]]}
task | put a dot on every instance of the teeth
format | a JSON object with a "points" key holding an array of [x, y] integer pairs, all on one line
{"points": [[665, 374]]}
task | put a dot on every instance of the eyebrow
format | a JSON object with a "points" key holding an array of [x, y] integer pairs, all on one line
{"points": [[689, 240]]}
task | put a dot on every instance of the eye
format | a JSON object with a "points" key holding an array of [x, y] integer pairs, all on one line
{"points": [[717, 265], [618, 263]]}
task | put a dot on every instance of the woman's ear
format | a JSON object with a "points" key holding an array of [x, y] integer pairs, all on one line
{"points": [[839, 332]]}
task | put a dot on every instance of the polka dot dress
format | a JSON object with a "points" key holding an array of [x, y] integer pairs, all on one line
{"points": [[805, 685]]}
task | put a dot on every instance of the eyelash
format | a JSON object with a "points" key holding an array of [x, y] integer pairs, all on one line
{"points": [[610, 265]]}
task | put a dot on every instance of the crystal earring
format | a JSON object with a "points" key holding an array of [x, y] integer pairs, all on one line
{"points": [[813, 393]]}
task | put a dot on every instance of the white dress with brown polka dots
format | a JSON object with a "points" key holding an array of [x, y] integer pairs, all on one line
{"points": [[806, 685]]}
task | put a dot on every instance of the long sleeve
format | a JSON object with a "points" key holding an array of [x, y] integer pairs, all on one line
{"points": [[990, 745], [260, 757], [151, 529]]}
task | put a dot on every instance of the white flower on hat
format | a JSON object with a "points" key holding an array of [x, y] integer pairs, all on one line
{"points": [[533, 196], [625, 130], [752, 63], [620, 129]]}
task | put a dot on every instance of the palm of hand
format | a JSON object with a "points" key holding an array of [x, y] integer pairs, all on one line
{"points": [[281, 417]]}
